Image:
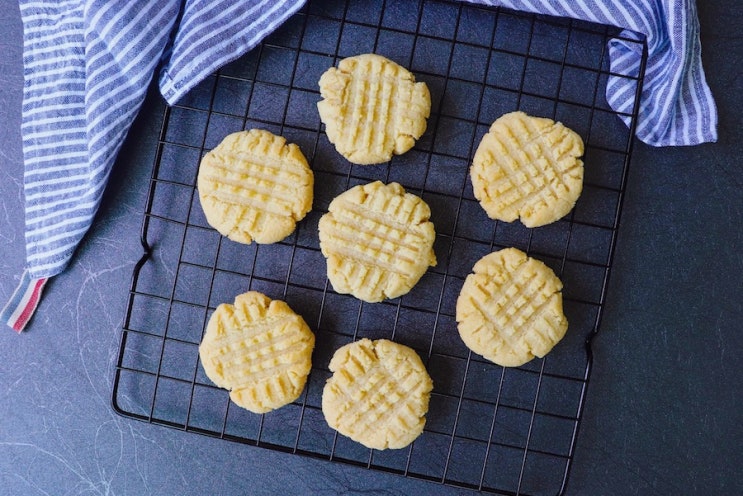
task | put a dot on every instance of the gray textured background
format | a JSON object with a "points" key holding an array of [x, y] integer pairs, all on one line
{"points": [[662, 414]]}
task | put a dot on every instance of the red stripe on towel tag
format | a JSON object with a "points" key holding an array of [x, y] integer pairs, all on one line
{"points": [[23, 303]]}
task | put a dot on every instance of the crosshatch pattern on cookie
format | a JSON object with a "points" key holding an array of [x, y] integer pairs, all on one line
{"points": [[259, 349], [255, 187], [510, 308], [378, 241], [528, 168], [378, 394], [372, 108]]}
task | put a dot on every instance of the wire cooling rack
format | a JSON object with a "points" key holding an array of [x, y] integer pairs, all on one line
{"points": [[509, 431]]}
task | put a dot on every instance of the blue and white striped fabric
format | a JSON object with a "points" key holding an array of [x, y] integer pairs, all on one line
{"points": [[677, 107], [88, 63], [87, 67], [214, 33]]}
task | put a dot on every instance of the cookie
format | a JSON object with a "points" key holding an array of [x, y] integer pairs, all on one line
{"points": [[254, 186], [378, 394], [378, 241], [259, 349], [372, 108], [510, 308], [528, 168]]}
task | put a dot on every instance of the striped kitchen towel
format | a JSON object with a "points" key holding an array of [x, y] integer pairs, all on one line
{"points": [[88, 63], [677, 107]]}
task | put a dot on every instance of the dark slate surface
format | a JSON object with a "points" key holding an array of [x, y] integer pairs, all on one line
{"points": [[662, 413]]}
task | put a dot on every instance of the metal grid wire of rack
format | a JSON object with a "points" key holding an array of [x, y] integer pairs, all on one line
{"points": [[503, 430]]}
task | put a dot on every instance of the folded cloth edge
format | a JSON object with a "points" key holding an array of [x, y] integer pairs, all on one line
{"points": [[181, 74]]}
